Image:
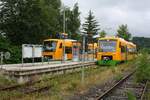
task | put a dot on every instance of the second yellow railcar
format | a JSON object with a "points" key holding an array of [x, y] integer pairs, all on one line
{"points": [[112, 50]]}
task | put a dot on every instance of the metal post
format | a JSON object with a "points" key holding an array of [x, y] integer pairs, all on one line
{"points": [[42, 54], [42, 59], [22, 54], [93, 51], [73, 51], [1, 59], [126, 53], [64, 24], [64, 51], [33, 48], [64, 19], [83, 59]]}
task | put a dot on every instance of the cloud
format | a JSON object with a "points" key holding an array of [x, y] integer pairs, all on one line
{"points": [[112, 13]]}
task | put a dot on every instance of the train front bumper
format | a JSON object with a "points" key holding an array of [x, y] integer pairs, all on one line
{"points": [[108, 62]]}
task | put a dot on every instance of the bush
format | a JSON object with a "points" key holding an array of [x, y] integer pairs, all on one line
{"points": [[15, 51], [147, 50], [15, 57], [143, 67]]}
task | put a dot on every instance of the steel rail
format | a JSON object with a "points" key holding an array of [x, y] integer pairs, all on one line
{"points": [[144, 90], [106, 93], [38, 90]]}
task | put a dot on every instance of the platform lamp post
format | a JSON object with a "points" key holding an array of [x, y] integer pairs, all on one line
{"points": [[64, 30], [95, 37], [83, 56], [62, 35]]}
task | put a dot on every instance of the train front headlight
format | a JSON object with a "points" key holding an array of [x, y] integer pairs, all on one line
{"points": [[106, 58]]}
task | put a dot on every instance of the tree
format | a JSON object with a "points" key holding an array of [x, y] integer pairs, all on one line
{"points": [[123, 32], [91, 26], [29, 21], [75, 22], [102, 34], [141, 42], [72, 19]]}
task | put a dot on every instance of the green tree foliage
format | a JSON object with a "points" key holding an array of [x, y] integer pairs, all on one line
{"points": [[90, 26], [141, 42], [74, 24], [15, 51], [102, 33], [72, 21], [123, 32], [4, 44], [29, 21]]}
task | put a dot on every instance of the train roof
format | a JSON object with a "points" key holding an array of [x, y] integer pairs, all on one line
{"points": [[112, 37], [60, 40], [118, 38]]}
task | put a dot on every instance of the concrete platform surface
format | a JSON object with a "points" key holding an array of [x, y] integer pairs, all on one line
{"points": [[17, 67]]}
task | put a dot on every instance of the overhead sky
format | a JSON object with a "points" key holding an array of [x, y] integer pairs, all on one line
{"points": [[112, 13]]}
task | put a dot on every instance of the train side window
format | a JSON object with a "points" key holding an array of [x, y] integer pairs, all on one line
{"points": [[60, 46], [68, 50], [119, 44], [123, 49]]}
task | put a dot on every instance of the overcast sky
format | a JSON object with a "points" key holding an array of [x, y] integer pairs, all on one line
{"points": [[111, 13]]}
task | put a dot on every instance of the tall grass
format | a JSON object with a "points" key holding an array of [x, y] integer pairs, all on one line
{"points": [[130, 95], [143, 67], [6, 81]]}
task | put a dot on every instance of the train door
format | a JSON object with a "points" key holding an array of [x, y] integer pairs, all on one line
{"points": [[75, 51], [68, 52], [123, 53], [59, 52]]}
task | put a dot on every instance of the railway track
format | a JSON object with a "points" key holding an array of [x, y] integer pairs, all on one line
{"points": [[28, 88], [16, 86], [124, 89]]}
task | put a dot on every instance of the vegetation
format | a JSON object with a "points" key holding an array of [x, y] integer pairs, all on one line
{"points": [[143, 67], [90, 26], [5, 81], [118, 77], [22, 20], [142, 43], [123, 32], [73, 22], [130, 96], [102, 34], [15, 51]]}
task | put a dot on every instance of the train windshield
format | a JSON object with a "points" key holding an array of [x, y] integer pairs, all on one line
{"points": [[107, 45], [50, 45]]}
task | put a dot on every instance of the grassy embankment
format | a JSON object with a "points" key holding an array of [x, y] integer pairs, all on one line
{"points": [[68, 84]]}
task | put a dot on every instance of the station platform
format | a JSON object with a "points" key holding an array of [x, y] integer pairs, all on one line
{"points": [[30, 65], [27, 71]]}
